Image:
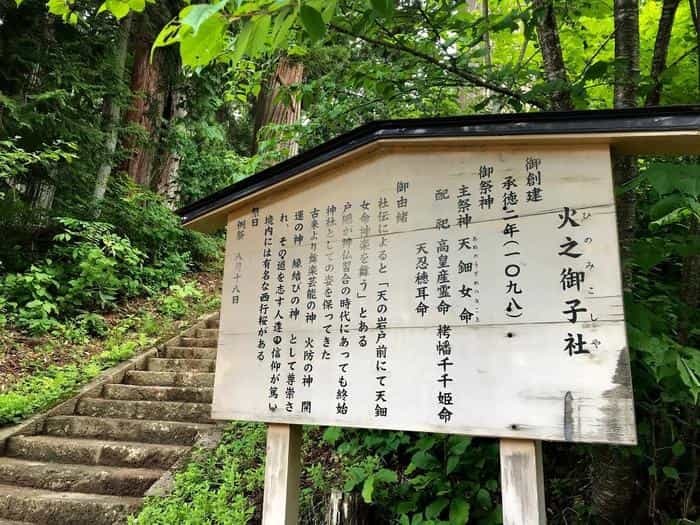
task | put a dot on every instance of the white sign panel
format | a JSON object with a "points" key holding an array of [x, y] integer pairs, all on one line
{"points": [[471, 291]]}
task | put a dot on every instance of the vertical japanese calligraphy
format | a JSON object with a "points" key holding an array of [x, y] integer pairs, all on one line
{"points": [[417, 291]]}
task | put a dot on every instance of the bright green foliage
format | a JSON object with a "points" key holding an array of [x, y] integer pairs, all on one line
{"points": [[421, 478], [363, 60], [16, 161], [89, 267], [47, 387], [217, 487], [133, 334], [176, 302]]}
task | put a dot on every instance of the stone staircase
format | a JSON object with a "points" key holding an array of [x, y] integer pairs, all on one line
{"points": [[94, 465]]}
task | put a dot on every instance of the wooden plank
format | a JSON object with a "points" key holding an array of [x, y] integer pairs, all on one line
{"points": [[282, 470], [522, 482], [520, 364]]}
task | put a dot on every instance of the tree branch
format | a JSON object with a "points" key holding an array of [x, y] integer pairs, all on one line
{"points": [[663, 39], [594, 55], [465, 75], [552, 57]]}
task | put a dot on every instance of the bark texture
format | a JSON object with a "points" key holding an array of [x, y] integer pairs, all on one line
{"points": [[147, 105], [112, 113], [552, 57], [269, 110], [626, 53], [167, 181], [612, 474], [658, 62]]}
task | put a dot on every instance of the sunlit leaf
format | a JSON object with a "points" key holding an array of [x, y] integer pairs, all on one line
{"points": [[195, 15], [197, 50]]}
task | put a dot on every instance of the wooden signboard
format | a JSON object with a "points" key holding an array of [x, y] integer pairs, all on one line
{"points": [[470, 291], [442, 275]]}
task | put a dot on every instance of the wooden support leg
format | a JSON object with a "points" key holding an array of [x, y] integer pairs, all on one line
{"points": [[282, 468], [522, 482]]}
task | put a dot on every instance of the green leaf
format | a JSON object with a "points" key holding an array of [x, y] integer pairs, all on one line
{"points": [[312, 21], [423, 460], [689, 377], [241, 43], [597, 70], [385, 475], [368, 489], [483, 498], [671, 473], [196, 14], [459, 511], [452, 462], [384, 8], [678, 449], [280, 30], [417, 519], [59, 7], [433, 510], [647, 253], [137, 5], [170, 34], [667, 177], [118, 8], [200, 49], [259, 35], [332, 434], [459, 444], [676, 216], [329, 8]]}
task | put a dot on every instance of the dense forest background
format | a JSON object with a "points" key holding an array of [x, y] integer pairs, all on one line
{"points": [[114, 114]]}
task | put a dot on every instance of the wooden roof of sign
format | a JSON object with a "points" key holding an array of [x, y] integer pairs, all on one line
{"points": [[658, 130]]}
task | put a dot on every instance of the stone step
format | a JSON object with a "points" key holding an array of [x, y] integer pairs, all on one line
{"points": [[157, 393], [202, 342], [94, 451], [67, 477], [159, 364], [208, 333], [171, 378], [139, 430], [189, 352], [165, 410], [74, 508], [213, 323]]}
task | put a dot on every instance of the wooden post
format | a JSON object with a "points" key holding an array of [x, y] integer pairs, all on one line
{"points": [[282, 469], [522, 482]]}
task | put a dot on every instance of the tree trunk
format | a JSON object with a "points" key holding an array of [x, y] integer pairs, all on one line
{"points": [[41, 189], [464, 93], [487, 35], [658, 62], [626, 53], [112, 112], [612, 473], [625, 96], [147, 105], [695, 15], [269, 110], [167, 183], [552, 57]]}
